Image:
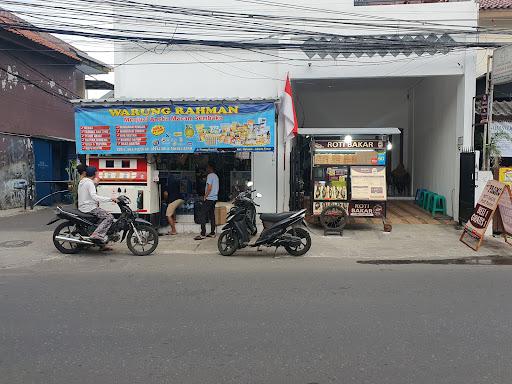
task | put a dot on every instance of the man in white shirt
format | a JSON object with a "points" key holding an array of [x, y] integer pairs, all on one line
{"points": [[211, 195], [88, 202]]}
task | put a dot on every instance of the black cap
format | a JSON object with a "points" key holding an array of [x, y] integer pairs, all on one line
{"points": [[90, 171], [80, 168]]}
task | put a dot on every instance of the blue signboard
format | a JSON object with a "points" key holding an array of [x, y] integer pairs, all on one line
{"points": [[175, 128]]}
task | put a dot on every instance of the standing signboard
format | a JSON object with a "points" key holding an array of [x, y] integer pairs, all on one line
{"points": [[495, 194]]}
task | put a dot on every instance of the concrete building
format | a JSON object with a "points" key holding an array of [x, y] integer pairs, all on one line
{"points": [[425, 92], [39, 74]]}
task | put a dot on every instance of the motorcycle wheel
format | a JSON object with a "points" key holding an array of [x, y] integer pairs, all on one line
{"points": [[227, 243], [67, 229], [305, 242], [149, 237]]}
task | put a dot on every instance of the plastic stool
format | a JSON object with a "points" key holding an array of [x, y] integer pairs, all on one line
{"points": [[439, 205], [421, 197], [426, 199], [430, 201]]}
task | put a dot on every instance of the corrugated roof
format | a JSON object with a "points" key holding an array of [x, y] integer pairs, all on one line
{"points": [[501, 109], [131, 101], [13, 23], [495, 4]]}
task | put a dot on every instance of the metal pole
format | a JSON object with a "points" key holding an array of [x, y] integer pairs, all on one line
{"points": [[489, 113], [489, 121]]}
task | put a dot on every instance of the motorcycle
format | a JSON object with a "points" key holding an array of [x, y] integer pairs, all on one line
{"points": [[279, 229], [73, 234]]}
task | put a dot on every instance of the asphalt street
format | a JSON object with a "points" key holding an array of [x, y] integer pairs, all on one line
{"points": [[204, 318]]}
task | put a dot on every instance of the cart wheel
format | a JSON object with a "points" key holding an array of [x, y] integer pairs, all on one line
{"points": [[333, 218], [387, 227]]}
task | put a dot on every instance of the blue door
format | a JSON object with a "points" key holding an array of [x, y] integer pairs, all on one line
{"points": [[43, 167]]}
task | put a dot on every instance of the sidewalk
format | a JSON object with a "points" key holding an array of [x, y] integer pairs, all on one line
{"points": [[363, 242]]}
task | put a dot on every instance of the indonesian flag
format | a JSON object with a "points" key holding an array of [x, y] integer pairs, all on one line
{"points": [[291, 127]]}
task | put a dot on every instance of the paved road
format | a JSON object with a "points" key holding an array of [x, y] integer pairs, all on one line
{"points": [[208, 319], [202, 318]]}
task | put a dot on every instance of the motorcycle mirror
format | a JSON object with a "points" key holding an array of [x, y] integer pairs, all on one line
{"points": [[259, 195], [250, 183]]}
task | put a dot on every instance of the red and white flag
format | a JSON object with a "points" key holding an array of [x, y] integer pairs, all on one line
{"points": [[291, 128]]}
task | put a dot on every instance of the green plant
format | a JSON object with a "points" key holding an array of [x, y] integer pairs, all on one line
{"points": [[74, 180]]}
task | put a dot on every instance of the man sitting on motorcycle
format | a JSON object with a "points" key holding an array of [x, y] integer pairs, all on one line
{"points": [[88, 202]]}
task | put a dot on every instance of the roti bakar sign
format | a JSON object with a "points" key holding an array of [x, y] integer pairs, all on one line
{"points": [[495, 194]]}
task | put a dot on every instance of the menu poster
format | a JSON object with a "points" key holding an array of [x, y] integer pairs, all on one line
{"points": [[475, 228], [368, 183]]}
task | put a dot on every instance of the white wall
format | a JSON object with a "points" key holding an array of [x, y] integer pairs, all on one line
{"points": [[178, 72], [357, 103], [435, 137]]}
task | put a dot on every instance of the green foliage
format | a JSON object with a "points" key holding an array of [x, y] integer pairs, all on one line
{"points": [[74, 179]]}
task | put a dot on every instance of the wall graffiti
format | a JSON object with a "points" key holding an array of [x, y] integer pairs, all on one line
{"points": [[16, 169]]}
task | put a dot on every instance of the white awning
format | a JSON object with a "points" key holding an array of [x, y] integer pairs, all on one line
{"points": [[349, 131]]}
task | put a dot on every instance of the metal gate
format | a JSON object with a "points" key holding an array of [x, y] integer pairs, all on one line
{"points": [[466, 186]]}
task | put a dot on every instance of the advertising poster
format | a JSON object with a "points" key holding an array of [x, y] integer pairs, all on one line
{"points": [[368, 183], [175, 128], [506, 176], [475, 228]]}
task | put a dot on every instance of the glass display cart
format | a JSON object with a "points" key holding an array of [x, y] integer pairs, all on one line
{"points": [[348, 180]]}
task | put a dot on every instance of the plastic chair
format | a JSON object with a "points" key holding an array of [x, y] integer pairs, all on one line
{"points": [[426, 200], [438, 205], [421, 196]]}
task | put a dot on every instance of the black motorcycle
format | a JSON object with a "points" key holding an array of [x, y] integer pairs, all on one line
{"points": [[73, 235], [279, 230]]}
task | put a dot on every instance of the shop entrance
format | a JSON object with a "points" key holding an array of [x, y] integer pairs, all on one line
{"points": [[428, 113], [184, 175]]}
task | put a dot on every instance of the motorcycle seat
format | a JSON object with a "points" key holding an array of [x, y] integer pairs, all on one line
{"points": [[275, 217], [83, 215]]}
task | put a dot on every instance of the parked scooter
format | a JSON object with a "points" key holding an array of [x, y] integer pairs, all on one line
{"points": [[280, 229], [73, 235]]}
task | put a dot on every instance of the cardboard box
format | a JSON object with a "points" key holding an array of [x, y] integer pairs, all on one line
{"points": [[221, 213]]}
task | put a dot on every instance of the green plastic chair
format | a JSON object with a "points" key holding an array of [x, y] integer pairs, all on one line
{"points": [[438, 205], [427, 200], [421, 197]]}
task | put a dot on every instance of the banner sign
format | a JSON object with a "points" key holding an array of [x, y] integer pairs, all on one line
{"points": [[354, 144], [366, 209], [368, 183], [502, 65], [491, 197], [175, 128]]}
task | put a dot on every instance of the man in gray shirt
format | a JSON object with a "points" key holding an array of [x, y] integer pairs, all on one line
{"points": [[211, 195]]}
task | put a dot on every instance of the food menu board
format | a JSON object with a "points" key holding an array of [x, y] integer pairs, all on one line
{"points": [[95, 137], [175, 128], [332, 184], [131, 135], [368, 183]]}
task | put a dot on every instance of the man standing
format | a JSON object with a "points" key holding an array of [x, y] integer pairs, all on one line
{"points": [[88, 202], [211, 195]]}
